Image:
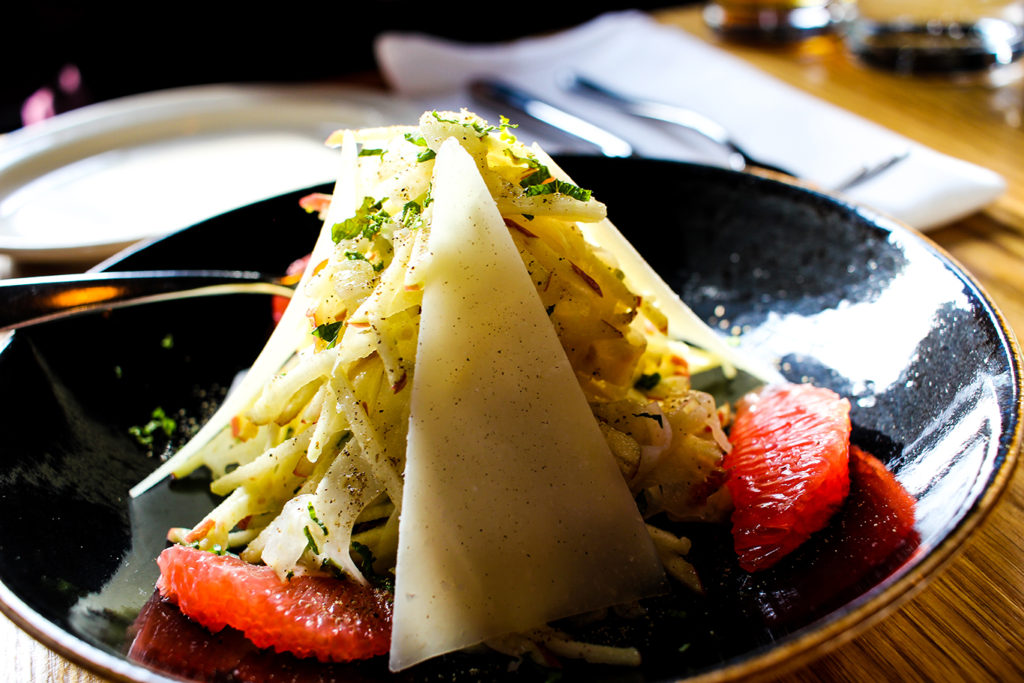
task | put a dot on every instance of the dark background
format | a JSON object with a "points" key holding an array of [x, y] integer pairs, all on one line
{"points": [[121, 49]]}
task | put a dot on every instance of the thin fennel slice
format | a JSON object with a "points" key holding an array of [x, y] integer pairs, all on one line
{"points": [[284, 340], [683, 323]]}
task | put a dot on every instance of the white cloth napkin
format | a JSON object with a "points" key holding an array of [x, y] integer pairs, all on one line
{"points": [[771, 120]]}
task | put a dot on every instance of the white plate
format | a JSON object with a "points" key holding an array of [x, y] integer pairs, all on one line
{"points": [[85, 184]]}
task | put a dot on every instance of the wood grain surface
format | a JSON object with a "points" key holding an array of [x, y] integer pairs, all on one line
{"points": [[967, 622]]}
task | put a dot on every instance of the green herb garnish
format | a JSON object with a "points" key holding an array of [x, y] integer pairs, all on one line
{"points": [[437, 116], [427, 154], [364, 561], [359, 256], [481, 128], [327, 332], [310, 543], [412, 215], [540, 182], [367, 221], [538, 177], [559, 187], [312, 516], [160, 422]]}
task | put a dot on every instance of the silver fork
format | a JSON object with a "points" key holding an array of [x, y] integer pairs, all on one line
{"points": [[707, 128]]}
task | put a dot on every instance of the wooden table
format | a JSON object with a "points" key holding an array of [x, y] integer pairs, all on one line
{"points": [[967, 624]]}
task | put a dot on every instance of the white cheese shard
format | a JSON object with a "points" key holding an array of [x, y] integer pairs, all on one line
{"points": [[514, 512]]}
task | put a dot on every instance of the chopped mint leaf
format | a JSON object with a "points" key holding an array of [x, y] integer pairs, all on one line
{"points": [[538, 177], [427, 154], [160, 422], [437, 115], [312, 516], [327, 332], [310, 543], [364, 560], [412, 215], [358, 256], [559, 187], [367, 221], [478, 126]]}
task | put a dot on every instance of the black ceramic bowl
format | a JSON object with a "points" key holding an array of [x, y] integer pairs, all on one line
{"points": [[837, 295]]}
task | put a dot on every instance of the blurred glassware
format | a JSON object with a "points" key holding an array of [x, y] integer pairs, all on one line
{"points": [[775, 21], [937, 37]]}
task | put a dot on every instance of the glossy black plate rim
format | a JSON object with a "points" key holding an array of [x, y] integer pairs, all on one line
{"points": [[797, 648], [849, 621]]}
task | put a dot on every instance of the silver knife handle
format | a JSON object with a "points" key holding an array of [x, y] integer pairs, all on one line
{"points": [[28, 301]]}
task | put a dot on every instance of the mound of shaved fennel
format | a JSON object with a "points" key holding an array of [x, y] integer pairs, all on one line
{"points": [[310, 451]]}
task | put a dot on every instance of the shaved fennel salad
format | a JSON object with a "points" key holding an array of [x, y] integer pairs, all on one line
{"points": [[312, 450]]}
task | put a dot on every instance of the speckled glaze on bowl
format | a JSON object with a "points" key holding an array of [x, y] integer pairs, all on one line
{"points": [[831, 292]]}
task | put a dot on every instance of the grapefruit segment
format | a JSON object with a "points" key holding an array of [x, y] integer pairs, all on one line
{"points": [[884, 515], [309, 616], [788, 469]]}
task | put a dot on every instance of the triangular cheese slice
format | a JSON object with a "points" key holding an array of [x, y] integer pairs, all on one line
{"points": [[514, 512]]}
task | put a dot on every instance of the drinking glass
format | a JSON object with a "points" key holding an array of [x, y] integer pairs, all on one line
{"points": [[774, 21], [937, 36]]}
